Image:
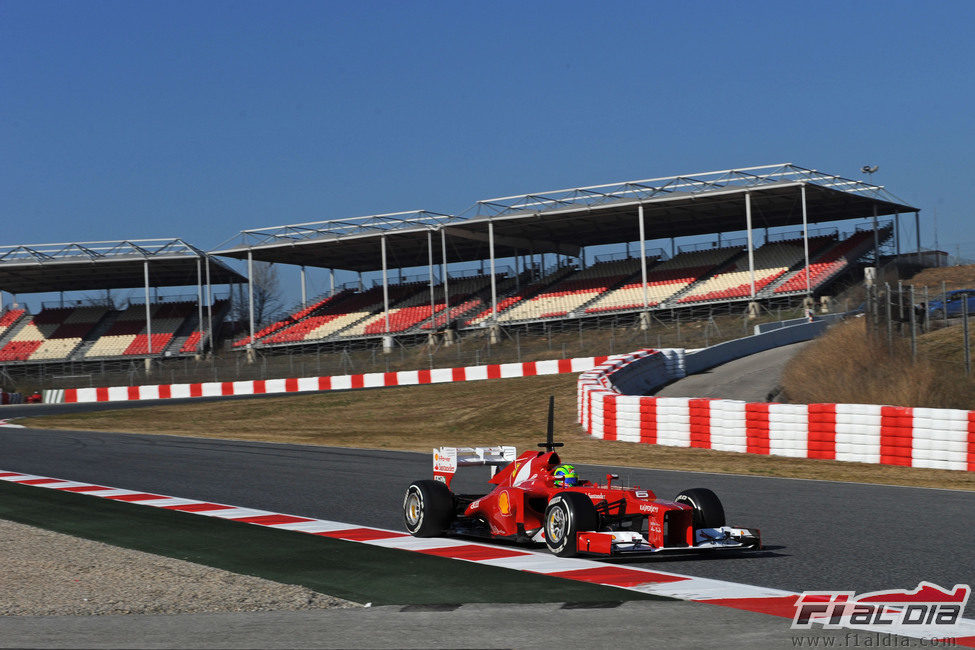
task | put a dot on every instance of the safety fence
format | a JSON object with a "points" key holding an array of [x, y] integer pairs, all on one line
{"points": [[327, 383], [611, 407]]}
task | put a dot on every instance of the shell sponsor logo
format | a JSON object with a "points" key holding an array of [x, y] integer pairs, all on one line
{"points": [[504, 503]]}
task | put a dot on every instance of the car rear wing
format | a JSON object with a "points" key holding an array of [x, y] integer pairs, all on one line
{"points": [[446, 460]]}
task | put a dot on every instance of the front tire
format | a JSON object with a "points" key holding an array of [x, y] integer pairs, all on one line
{"points": [[708, 511], [428, 508], [568, 513]]}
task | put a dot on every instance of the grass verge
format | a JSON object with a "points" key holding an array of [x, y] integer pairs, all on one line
{"points": [[501, 411], [356, 572]]}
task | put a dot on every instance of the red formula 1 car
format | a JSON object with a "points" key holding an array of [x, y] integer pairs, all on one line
{"points": [[528, 503]]}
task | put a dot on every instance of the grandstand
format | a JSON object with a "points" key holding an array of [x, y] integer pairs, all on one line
{"points": [[506, 261], [93, 329]]}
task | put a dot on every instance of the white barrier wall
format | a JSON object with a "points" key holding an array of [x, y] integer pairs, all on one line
{"points": [[612, 407], [309, 384]]}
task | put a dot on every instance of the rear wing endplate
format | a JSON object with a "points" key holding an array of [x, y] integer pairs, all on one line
{"points": [[446, 460]]}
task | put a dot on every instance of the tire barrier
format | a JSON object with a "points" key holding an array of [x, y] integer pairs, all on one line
{"points": [[611, 407], [312, 384], [11, 398]]}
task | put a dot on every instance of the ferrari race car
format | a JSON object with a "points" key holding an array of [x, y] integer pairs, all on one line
{"points": [[529, 503]]}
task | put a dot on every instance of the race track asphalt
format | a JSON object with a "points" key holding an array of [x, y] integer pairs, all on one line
{"points": [[818, 534]]}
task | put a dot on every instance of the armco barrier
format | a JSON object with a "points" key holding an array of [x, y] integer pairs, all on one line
{"points": [[865, 433], [309, 384]]}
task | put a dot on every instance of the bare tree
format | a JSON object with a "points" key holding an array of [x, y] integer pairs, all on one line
{"points": [[268, 305]]}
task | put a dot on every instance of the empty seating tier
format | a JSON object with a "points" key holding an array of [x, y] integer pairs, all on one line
{"points": [[831, 262], [52, 334], [664, 280], [771, 261]]}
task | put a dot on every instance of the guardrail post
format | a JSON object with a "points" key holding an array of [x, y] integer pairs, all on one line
{"points": [[913, 327]]}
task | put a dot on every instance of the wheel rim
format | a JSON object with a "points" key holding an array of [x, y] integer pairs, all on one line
{"points": [[414, 509], [556, 524]]}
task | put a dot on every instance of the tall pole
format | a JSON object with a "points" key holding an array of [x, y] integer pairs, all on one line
{"points": [[382, 246], [250, 292], [643, 260], [494, 284], [304, 288], [446, 293], [145, 269], [751, 247], [805, 235]]}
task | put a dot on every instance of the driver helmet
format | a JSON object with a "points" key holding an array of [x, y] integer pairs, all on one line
{"points": [[565, 475]]}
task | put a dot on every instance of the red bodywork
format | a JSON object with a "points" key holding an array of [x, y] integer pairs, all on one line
{"points": [[516, 507]]}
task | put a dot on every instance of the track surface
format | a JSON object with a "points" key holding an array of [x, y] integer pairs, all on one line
{"points": [[820, 535], [750, 378]]}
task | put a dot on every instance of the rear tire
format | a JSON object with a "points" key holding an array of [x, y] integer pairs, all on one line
{"points": [[428, 508], [568, 513], [708, 511]]}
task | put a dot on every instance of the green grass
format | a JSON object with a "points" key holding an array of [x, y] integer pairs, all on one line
{"points": [[350, 570]]}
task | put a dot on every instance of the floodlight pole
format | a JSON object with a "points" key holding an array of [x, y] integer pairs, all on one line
{"points": [[145, 269], [751, 245], [382, 246], [643, 260], [250, 293], [494, 285], [805, 235]]}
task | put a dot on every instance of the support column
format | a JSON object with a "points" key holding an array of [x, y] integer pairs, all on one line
{"points": [[145, 269], [917, 232], [382, 247], [209, 306], [751, 245], [331, 282], [199, 304], [805, 236], [446, 289], [304, 288], [876, 242], [494, 284], [645, 316], [433, 304], [897, 233], [250, 293]]}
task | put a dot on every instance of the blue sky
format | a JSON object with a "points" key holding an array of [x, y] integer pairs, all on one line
{"points": [[199, 119]]}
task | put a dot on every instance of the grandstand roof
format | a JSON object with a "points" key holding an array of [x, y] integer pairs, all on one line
{"points": [[82, 266], [566, 220]]}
